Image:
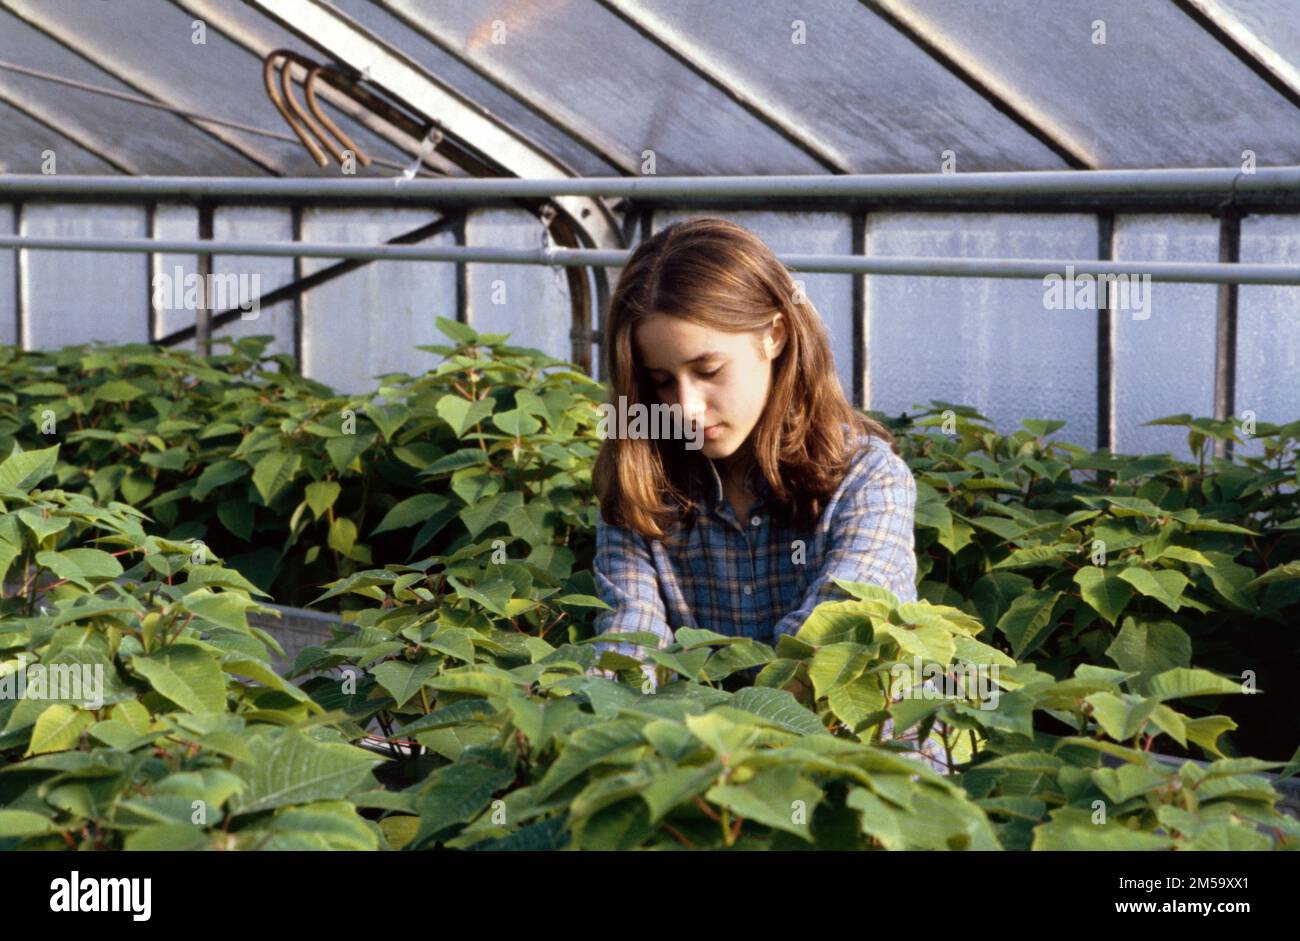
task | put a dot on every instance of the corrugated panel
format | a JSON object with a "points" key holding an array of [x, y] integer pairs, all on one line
{"points": [[595, 73], [465, 80], [806, 233], [369, 321], [172, 221], [985, 342], [1160, 91], [1164, 364], [529, 302], [73, 297], [854, 83], [144, 140], [1268, 331], [261, 274], [8, 292]]}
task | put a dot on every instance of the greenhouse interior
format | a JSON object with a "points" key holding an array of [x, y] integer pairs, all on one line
{"points": [[307, 317]]}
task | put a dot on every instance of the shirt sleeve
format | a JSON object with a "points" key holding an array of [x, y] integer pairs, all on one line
{"points": [[870, 539], [627, 581]]}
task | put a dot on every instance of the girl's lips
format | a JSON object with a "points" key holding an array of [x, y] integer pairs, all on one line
{"points": [[712, 431]]}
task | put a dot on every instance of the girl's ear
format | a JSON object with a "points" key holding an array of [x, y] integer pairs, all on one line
{"points": [[774, 341]]}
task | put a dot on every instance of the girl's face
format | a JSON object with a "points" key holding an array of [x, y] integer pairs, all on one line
{"points": [[719, 377]]}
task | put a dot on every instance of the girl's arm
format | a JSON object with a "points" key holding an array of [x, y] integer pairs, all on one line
{"points": [[870, 539], [627, 581]]}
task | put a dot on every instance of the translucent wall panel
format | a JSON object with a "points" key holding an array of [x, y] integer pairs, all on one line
{"points": [[852, 85], [172, 221], [369, 321], [262, 274], [1268, 328], [8, 294], [530, 302], [1164, 364], [805, 233], [73, 297], [990, 343]]}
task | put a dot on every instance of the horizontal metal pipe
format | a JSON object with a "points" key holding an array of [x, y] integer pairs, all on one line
{"points": [[1036, 268], [1212, 180]]}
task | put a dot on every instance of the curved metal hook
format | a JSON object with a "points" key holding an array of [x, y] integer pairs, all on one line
{"points": [[324, 118], [268, 67]]}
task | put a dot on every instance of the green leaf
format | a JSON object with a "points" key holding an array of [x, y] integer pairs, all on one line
{"points": [[321, 494], [1028, 621], [345, 449], [460, 412], [1166, 585], [237, 516], [290, 768], [403, 679], [778, 796], [1104, 590], [412, 510], [388, 418], [117, 391], [79, 566], [1181, 682], [465, 457], [22, 470], [59, 728], [218, 474], [187, 675], [516, 422], [490, 511], [273, 472], [1150, 647]]}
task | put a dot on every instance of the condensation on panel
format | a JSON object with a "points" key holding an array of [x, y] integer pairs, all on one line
{"points": [[805, 233], [1164, 348], [256, 275], [995, 344], [1268, 331], [369, 321], [171, 311], [8, 286], [529, 302], [74, 297]]}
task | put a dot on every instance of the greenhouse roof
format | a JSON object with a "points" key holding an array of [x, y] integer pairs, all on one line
{"points": [[589, 87]]}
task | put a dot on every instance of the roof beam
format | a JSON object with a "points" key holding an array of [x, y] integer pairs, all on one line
{"points": [[683, 48], [491, 74], [1232, 34], [999, 95], [412, 86], [77, 137]]}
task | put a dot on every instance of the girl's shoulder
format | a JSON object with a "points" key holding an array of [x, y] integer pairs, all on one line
{"points": [[874, 465]]}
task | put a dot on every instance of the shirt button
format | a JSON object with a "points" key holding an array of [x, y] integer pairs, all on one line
{"points": [[749, 589], [756, 521]]}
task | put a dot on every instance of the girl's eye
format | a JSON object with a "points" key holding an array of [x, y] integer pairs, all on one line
{"points": [[660, 383], [707, 375]]}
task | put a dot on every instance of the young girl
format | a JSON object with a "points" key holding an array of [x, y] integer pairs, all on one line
{"points": [[739, 529]]}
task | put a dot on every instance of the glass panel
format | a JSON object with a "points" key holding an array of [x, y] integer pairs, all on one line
{"points": [[145, 140], [1273, 24], [810, 233], [262, 274], [990, 343], [24, 140], [1159, 92], [530, 302], [73, 297], [369, 321], [1268, 332], [8, 294], [173, 221], [1164, 356], [532, 124], [597, 74], [877, 102]]}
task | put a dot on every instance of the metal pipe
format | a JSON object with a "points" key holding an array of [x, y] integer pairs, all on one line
{"points": [[1219, 181], [1034, 268]]}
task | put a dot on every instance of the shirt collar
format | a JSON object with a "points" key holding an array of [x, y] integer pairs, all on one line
{"points": [[757, 482]]}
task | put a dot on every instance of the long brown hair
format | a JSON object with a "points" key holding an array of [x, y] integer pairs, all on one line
{"points": [[714, 272]]}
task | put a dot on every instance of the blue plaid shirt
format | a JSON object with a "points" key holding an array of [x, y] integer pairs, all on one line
{"points": [[753, 577]]}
